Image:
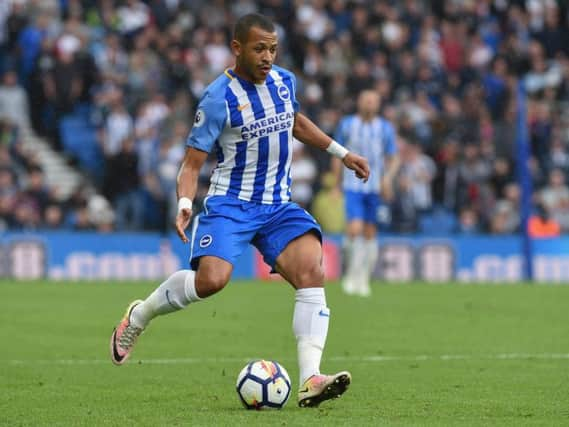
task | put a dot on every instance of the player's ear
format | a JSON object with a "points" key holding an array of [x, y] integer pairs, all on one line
{"points": [[236, 47]]}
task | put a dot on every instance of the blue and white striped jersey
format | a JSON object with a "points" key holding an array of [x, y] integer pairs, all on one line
{"points": [[250, 126], [373, 140]]}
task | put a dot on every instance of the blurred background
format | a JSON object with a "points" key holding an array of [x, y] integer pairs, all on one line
{"points": [[98, 96]]}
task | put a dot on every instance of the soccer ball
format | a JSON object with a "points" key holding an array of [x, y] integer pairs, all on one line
{"points": [[263, 384]]}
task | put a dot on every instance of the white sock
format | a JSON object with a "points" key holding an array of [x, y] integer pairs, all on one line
{"points": [[355, 257], [348, 247], [369, 258], [310, 325], [175, 293], [371, 252]]}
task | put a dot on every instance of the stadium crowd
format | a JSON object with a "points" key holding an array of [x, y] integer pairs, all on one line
{"points": [[447, 72]]}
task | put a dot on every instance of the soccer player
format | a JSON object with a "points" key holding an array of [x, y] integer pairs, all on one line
{"points": [[249, 116], [374, 137]]}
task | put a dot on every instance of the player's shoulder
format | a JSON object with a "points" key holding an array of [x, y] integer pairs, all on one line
{"points": [[384, 121], [216, 91], [283, 71], [285, 74], [347, 119], [387, 124]]}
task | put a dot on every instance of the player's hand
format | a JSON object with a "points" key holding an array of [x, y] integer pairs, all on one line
{"points": [[182, 222], [358, 164]]}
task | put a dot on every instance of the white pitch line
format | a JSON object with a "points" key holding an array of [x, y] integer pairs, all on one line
{"points": [[353, 359]]}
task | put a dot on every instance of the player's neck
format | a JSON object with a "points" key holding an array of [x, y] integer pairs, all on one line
{"points": [[238, 71], [367, 117]]}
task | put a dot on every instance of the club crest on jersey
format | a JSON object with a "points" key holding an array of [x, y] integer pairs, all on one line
{"points": [[283, 93], [199, 119], [205, 241]]}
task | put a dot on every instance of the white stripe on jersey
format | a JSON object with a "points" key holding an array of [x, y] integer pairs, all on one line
{"points": [[274, 145], [366, 139]]}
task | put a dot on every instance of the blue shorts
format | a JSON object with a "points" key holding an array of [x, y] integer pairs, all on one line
{"points": [[362, 206], [227, 225]]}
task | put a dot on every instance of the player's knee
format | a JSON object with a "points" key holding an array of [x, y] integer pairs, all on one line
{"points": [[355, 228], [370, 233], [309, 276], [210, 282]]}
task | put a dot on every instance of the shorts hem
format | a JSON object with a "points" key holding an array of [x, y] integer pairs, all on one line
{"points": [[194, 261]]}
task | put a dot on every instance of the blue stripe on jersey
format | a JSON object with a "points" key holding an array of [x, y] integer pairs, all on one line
{"points": [[237, 171], [235, 115], [279, 104], [283, 154], [219, 152], [253, 96], [262, 165]]}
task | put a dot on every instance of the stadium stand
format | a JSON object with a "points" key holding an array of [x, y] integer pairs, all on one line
{"points": [[113, 84]]}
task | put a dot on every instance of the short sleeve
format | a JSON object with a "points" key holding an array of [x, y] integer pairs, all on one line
{"points": [[340, 134], [209, 122], [295, 103], [390, 139]]}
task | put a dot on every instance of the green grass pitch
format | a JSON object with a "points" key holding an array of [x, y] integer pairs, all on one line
{"points": [[419, 354]]}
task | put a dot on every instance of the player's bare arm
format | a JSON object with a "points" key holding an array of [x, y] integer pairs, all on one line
{"points": [[186, 188], [308, 133], [392, 164]]}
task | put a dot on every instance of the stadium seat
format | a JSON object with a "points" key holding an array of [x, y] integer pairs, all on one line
{"points": [[438, 222], [79, 139]]}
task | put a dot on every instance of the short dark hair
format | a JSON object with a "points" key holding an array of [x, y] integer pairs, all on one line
{"points": [[245, 23]]}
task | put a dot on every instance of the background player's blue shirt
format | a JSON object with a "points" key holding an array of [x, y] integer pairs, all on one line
{"points": [[250, 127], [374, 140]]}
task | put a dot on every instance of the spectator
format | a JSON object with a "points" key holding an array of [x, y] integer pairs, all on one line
{"points": [[541, 225], [36, 190], [29, 43], [13, 101], [505, 218], [118, 125], [133, 16], [126, 186], [468, 222], [555, 199], [417, 173], [53, 217], [325, 206], [447, 185]]}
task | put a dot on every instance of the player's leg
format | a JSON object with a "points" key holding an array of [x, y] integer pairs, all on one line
{"points": [[291, 244], [175, 293], [371, 204], [301, 264], [369, 259], [353, 253], [183, 288], [353, 241], [218, 239]]}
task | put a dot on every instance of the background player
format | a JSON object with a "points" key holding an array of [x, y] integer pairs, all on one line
{"points": [[374, 137], [249, 115]]}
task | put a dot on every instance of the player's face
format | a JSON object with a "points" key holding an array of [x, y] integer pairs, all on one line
{"points": [[368, 103], [255, 57]]}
